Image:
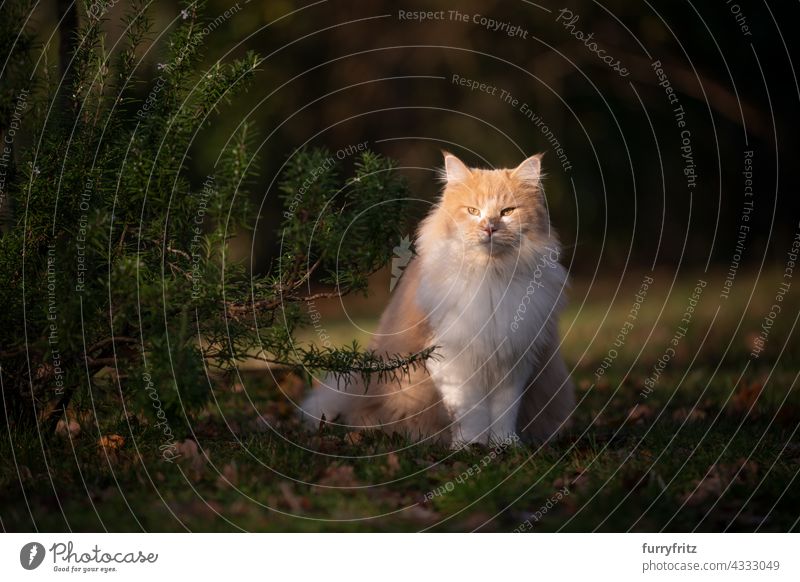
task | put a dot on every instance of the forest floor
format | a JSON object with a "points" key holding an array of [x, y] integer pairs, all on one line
{"points": [[712, 447]]}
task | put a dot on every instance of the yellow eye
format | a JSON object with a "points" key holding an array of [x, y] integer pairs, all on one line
{"points": [[507, 211], [473, 211]]}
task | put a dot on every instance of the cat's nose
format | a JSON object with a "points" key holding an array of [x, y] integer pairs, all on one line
{"points": [[489, 228]]}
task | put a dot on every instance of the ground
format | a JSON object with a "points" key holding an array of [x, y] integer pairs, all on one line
{"points": [[713, 446]]}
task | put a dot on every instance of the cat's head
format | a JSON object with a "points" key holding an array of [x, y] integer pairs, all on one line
{"points": [[492, 212]]}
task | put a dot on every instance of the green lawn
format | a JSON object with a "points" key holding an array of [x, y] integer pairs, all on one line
{"points": [[714, 446]]}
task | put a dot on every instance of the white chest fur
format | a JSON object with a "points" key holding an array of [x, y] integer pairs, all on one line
{"points": [[489, 324]]}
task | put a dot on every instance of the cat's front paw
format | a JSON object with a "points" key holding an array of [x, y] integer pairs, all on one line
{"points": [[458, 445], [472, 446], [470, 433], [462, 441]]}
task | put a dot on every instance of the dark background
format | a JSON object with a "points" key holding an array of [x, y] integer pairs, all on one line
{"points": [[344, 72]]}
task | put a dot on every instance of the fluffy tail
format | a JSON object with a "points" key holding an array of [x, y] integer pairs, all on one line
{"points": [[412, 407]]}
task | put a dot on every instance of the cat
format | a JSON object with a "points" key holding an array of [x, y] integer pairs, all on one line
{"points": [[485, 287]]}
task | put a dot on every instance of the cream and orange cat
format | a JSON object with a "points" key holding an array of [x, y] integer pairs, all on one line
{"points": [[487, 289]]}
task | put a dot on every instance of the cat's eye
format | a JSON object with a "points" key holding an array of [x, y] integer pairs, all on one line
{"points": [[473, 211], [507, 211]]}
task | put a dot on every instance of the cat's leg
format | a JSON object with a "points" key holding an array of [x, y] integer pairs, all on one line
{"points": [[505, 401], [469, 410], [324, 403], [549, 400], [330, 398]]}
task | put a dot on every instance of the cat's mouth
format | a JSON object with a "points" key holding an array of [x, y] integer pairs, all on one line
{"points": [[495, 244]]}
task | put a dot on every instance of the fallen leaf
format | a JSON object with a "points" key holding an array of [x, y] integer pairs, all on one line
{"points": [[111, 442], [640, 412], [392, 464], [745, 398], [188, 449], [718, 478], [68, 428], [229, 476], [295, 503]]}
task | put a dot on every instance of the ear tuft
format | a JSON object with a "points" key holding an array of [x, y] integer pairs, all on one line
{"points": [[529, 170], [455, 170]]}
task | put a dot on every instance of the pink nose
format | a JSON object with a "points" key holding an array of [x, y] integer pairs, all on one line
{"points": [[489, 229]]}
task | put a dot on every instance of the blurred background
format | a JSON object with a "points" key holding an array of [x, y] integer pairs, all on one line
{"points": [[630, 190], [343, 72]]}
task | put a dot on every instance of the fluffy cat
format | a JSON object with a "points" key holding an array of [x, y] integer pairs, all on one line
{"points": [[487, 288]]}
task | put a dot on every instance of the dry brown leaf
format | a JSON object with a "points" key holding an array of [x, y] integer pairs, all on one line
{"points": [[392, 464], [640, 412], [718, 478], [282, 409], [188, 449], [239, 507], [111, 442], [229, 476], [745, 398], [295, 503], [68, 428]]}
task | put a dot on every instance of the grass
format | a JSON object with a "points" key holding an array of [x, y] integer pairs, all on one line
{"points": [[713, 447]]}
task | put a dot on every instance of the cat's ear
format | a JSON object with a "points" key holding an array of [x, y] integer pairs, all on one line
{"points": [[454, 169], [530, 170]]}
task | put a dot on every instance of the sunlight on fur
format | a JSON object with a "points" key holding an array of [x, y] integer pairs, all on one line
{"points": [[487, 288]]}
